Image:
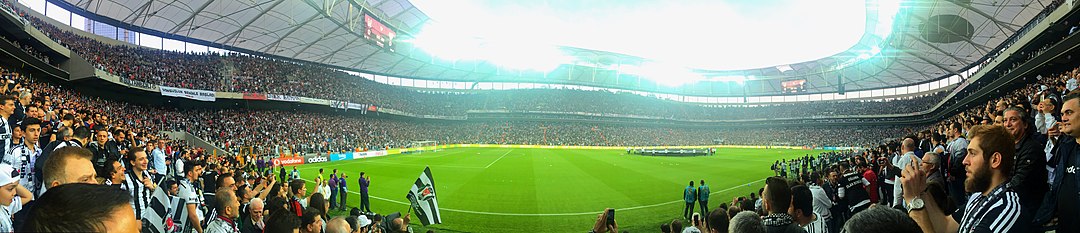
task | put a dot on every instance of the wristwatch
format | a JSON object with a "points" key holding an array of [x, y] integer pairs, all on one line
{"points": [[915, 204]]}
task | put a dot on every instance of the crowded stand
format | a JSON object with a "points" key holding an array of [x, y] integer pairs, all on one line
{"points": [[1006, 165], [28, 49], [266, 132], [1024, 147]]}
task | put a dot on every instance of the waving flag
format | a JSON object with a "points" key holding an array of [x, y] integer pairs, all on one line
{"points": [[161, 205], [422, 197]]}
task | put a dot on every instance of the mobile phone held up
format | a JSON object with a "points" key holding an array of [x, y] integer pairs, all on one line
{"points": [[610, 217]]}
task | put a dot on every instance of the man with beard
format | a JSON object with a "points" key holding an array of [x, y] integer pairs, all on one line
{"points": [[992, 207], [121, 141]]}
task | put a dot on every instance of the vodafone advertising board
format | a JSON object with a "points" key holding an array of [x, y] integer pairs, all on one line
{"points": [[288, 161]]}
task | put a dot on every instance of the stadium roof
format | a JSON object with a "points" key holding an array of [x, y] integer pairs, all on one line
{"points": [[927, 40]]}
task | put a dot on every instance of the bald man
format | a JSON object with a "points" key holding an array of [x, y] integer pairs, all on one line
{"points": [[907, 148], [338, 225]]}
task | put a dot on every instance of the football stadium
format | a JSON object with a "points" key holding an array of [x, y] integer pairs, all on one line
{"points": [[379, 116]]}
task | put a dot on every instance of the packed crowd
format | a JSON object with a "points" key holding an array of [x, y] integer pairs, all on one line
{"points": [[997, 174], [273, 131], [64, 150], [1005, 166], [28, 49], [606, 102]]}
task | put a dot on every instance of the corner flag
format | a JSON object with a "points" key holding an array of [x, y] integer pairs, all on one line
{"points": [[422, 197]]}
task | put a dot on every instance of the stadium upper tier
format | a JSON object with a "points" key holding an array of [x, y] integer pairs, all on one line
{"points": [[904, 43], [251, 74]]}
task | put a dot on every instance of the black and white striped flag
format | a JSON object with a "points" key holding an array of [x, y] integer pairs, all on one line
{"points": [[159, 211], [178, 215], [422, 197]]}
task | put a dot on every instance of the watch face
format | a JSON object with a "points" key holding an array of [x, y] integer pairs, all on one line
{"points": [[917, 203]]}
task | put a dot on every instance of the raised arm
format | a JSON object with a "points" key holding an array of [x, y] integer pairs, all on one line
{"points": [[930, 218]]}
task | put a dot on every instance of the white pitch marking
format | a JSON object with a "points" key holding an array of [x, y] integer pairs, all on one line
{"points": [[500, 157], [554, 214]]}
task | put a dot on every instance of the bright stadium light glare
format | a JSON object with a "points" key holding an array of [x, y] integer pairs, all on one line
{"points": [[698, 34], [445, 44], [525, 57], [737, 79], [887, 11], [664, 74], [440, 41]]}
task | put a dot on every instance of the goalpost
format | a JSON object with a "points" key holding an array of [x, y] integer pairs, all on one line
{"points": [[423, 146]]}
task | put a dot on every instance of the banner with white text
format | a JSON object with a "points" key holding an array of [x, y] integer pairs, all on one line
{"points": [[199, 95]]}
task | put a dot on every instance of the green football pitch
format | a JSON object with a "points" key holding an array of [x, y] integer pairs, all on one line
{"points": [[554, 190]]}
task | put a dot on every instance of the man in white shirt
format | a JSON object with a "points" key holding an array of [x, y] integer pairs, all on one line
{"points": [[157, 155], [1071, 84], [908, 150], [1044, 119], [179, 166], [822, 203]]}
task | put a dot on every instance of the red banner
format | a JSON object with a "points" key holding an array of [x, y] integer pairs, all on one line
{"points": [[288, 161], [254, 96], [372, 108]]}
